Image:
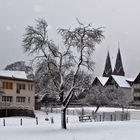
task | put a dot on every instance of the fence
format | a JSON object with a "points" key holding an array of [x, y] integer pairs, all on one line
{"points": [[112, 116], [101, 116]]}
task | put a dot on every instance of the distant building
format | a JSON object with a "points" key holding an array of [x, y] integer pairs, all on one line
{"points": [[116, 79], [16, 94], [118, 69]]}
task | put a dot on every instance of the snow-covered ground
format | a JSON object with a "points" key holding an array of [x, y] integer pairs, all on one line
{"points": [[119, 130]]}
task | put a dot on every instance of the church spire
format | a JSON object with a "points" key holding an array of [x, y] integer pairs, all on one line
{"points": [[108, 69], [118, 70]]}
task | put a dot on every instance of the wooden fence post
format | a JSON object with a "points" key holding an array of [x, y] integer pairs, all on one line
{"points": [[67, 111], [67, 120], [51, 110], [93, 114], [52, 120], [111, 117], [115, 116], [103, 116], [73, 112], [100, 117], [3, 122], [121, 116], [21, 122], [36, 120]]}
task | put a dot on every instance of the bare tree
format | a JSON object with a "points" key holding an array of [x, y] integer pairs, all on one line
{"points": [[62, 64]]}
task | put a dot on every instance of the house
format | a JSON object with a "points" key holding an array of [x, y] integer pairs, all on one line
{"points": [[120, 83], [16, 94]]}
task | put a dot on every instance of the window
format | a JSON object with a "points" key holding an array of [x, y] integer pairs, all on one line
{"points": [[136, 90], [20, 86], [7, 98], [20, 99], [136, 98], [7, 85], [30, 87]]}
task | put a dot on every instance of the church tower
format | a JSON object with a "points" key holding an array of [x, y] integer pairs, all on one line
{"points": [[108, 69], [118, 70]]}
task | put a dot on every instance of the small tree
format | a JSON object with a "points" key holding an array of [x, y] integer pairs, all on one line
{"points": [[118, 97], [21, 66], [102, 96], [96, 95], [62, 64]]}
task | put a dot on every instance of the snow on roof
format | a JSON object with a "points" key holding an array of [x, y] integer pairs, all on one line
{"points": [[103, 80], [130, 79], [13, 74], [121, 81]]}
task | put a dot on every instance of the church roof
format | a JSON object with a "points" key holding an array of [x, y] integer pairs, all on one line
{"points": [[108, 69], [118, 70], [100, 79], [103, 80], [121, 81]]}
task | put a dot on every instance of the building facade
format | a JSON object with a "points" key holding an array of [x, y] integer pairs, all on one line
{"points": [[16, 94]]}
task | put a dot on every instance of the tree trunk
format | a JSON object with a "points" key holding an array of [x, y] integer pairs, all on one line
{"points": [[97, 109], [63, 119]]}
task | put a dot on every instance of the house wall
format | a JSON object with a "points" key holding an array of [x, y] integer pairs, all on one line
{"points": [[27, 94], [127, 93]]}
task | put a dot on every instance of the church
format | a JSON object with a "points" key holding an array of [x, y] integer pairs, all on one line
{"points": [[116, 79]]}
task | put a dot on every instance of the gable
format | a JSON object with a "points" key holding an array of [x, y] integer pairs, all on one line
{"points": [[96, 82], [111, 81], [137, 80]]}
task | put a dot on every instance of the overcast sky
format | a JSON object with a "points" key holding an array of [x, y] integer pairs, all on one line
{"points": [[119, 17]]}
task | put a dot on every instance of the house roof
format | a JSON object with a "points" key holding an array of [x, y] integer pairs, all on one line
{"points": [[102, 80], [13, 74], [130, 79], [120, 80]]}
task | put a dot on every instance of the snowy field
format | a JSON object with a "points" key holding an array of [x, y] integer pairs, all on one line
{"points": [[118, 130]]}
